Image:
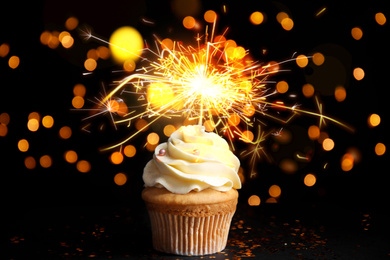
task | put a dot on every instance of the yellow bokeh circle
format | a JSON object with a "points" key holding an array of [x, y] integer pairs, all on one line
{"points": [[126, 43]]}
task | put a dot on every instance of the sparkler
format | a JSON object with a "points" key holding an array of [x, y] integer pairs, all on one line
{"points": [[213, 82]]}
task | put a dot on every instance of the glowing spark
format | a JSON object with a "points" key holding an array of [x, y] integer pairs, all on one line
{"points": [[256, 151], [84, 128], [147, 21], [213, 82], [321, 11]]}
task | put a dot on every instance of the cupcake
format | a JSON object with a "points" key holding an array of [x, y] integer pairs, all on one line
{"points": [[190, 192]]}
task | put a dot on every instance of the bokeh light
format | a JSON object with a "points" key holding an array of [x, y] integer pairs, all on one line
{"points": [[4, 118], [23, 145], [93, 54], [189, 22], [358, 73], [34, 115], [282, 86], [380, 18], [4, 49], [79, 90], [65, 132], [30, 162], [340, 93], [328, 144], [129, 65], [234, 119], [287, 24], [288, 166], [153, 138], [71, 23], [275, 191], [318, 58], [254, 200], [78, 102], [90, 64], [126, 43], [116, 157], [33, 124], [70, 156], [45, 37], [112, 106], [45, 161], [141, 125], [247, 136], [249, 110], [167, 44], [120, 179], [83, 166], [3, 129], [280, 16], [373, 120], [48, 121], [380, 149], [209, 125], [129, 150], [13, 62], [357, 33], [256, 18], [103, 52], [308, 90], [313, 132], [302, 61], [169, 129], [310, 179], [347, 162], [210, 16]]}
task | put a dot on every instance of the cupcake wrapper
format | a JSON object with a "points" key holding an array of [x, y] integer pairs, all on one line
{"points": [[184, 235]]}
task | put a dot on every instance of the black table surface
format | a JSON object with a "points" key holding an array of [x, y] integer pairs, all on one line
{"points": [[268, 231]]}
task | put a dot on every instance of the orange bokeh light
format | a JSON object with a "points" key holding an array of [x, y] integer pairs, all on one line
{"points": [[90, 64], [302, 61], [153, 138], [282, 87], [30, 162], [13, 62], [83, 166], [116, 158], [357, 33], [327, 144], [65, 132], [275, 191], [313, 132], [33, 124], [358, 73], [254, 200], [189, 22], [120, 179], [23, 145], [309, 180], [129, 150], [70, 156], [374, 120], [78, 102], [308, 90], [234, 119], [45, 161], [210, 16]]}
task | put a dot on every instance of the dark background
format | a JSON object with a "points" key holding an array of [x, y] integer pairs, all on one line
{"points": [[41, 199]]}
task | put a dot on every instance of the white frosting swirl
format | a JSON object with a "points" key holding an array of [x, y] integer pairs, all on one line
{"points": [[193, 159]]}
